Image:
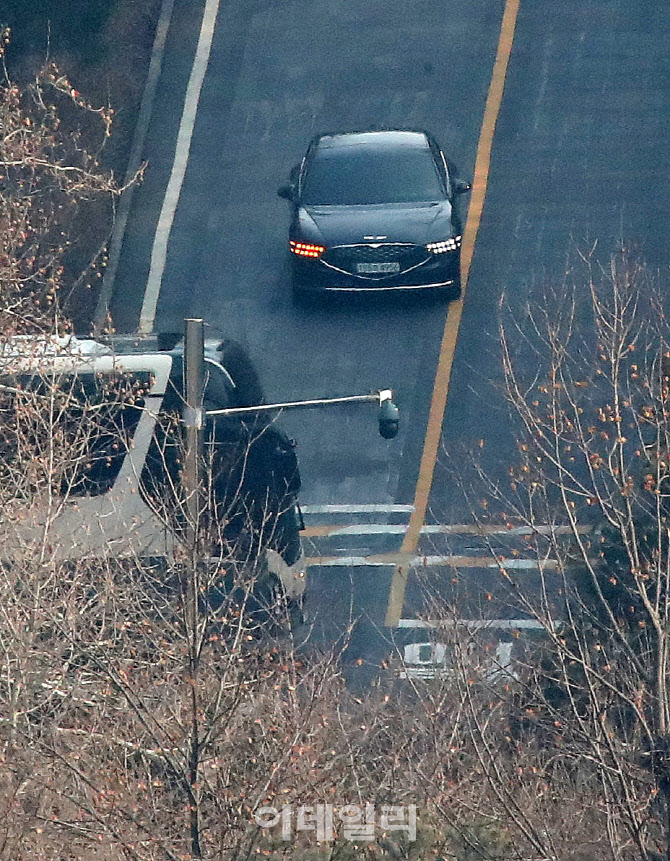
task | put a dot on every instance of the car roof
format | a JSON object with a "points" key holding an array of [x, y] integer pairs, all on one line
{"points": [[390, 139]]}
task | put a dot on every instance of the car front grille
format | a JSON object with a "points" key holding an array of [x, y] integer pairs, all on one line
{"points": [[347, 258]]}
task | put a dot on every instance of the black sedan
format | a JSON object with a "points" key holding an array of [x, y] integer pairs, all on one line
{"points": [[374, 211]]}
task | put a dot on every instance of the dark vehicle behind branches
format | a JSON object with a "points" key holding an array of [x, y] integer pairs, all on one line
{"points": [[116, 490]]}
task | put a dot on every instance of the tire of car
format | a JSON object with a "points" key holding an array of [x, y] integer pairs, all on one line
{"points": [[287, 538]]}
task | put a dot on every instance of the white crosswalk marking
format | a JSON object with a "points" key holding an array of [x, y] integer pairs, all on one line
{"points": [[372, 541], [476, 624], [455, 566], [359, 508], [434, 561], [435, 529]]}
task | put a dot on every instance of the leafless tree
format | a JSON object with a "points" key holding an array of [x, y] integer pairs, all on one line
{"points": [[50, 143], [587, 376], [129, 727], [131, 730]]}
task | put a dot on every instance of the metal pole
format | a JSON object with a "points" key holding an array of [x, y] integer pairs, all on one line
{"points": [[194, 367], [373, 397], [194, 376]]}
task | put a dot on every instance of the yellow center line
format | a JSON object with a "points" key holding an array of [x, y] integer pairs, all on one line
{"points": [[438, 402]]}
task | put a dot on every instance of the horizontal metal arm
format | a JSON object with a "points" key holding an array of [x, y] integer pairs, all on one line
{"points": [[373, 397]]}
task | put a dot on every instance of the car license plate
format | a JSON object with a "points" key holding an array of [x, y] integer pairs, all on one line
{"points": [[378, 268]]}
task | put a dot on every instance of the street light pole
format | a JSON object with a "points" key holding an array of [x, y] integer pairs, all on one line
{"points": [[388, 411], [194, 376], [193, 418]]}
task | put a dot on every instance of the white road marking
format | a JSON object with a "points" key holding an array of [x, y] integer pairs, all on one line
{"points": [[173, 190], [437, 663], [346, 561], [328, 556], [359, 529], [134, 162], [484, 562], [433, 561], [437, 529], [475, 624], [363, 508]]}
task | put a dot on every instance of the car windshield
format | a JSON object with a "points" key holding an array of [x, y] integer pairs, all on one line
{"points": [[358, 176]]}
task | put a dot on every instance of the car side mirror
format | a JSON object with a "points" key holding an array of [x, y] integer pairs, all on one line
{"points": [[461, 186], [287, 192]]}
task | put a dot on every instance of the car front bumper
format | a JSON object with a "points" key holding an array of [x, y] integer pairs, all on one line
{"points": [[439, 272]]}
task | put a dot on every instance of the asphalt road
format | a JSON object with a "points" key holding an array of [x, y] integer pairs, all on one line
{"points": [[579, 155]]}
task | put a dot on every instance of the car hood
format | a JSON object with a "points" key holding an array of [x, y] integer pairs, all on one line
{"points": [[398, 222]]}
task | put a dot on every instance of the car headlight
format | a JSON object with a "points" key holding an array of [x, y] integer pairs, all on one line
{"points": [[452, 244], [304, 249]]}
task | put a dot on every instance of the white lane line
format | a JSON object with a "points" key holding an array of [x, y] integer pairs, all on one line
{"points": [[485, 562], [347, 561], [434, 561], [173, 190], [360, 529], [476, 624], [357, 509], [134, 162], [438, 529]]}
